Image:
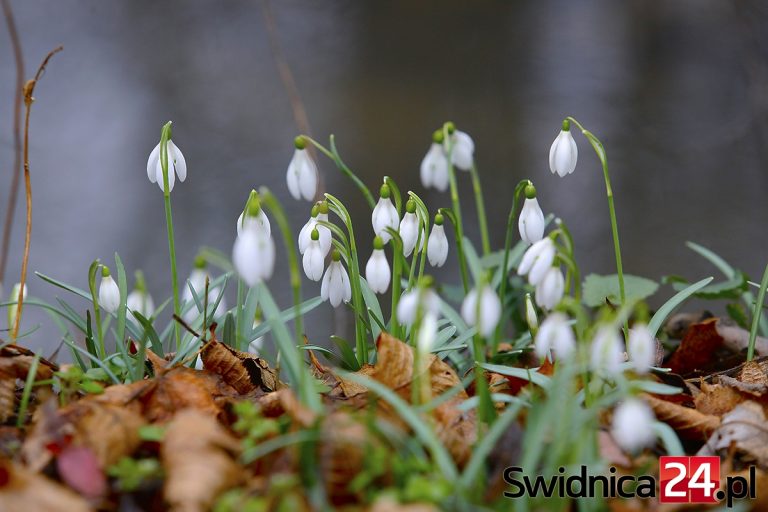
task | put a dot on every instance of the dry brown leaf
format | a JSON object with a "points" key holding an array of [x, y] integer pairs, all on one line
{"points": [[109, 430], [15, 363], [677, 325], [243, 371], [197, 456], [277, 403], [736, 338], [697, 348], [689, 423], [343, 446], [746, 428], [717, 399], [22, 490], [389, 504]]}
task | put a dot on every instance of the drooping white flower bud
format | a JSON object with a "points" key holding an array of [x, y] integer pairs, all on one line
{"points": [[489, 309], [258, 221], [531, 222], [437, 244], [463, 150], [319, 213], [632, 425], [377, 271], [434, 166], [384, 215], [302, 176], [254, 256], [197, 281], [427, 334], [109, 293], [336, 286], [141, 302], [642, 348], [537, 260], [530, 315], [409, 228], [314, 259], [177, 165], [555, 334], [549, 291], [607, 352], [421, 298], [564, 152]]}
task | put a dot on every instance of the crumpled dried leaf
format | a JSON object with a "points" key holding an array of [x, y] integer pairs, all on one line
{"points": [[736, 338], [15, 363], [22, 490], [688, 423], [455, 428], [79, 468], [109, 430], [701, 350], [717, 399], [343, 446], [243, 371], [745, 427], [677, 324], [277, 403], [197, 456]]}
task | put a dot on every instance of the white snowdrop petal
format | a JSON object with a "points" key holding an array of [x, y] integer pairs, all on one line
{"points": [[254, 256], [406, 308], [346, 286], [642, 348], [437, 246], [469, 307], [109, 294], [293, 175], [607, 354], [555, 334], [549, 291], [463, 151], [632, 425], [159, 175], [531, 222], [154, 156], [490, 312], [325, 284], [427, 333], [178, 158], [409, 232], [530, 255], [314, 261], [384, 215], [377, 271], [542, 264], [308, 177]]}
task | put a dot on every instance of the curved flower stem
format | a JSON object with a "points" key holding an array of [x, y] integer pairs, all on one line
{"points": [[333, 154], [756, 314], [271, 202], [568, 257], [457, 222], [505, 261], [421, 240], [397, 270], [600, 151], [165, 135], [358, 304], [481, 217], [450, 214]]}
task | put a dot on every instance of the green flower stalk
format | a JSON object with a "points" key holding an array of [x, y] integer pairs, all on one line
{"points": [[563, 153]]}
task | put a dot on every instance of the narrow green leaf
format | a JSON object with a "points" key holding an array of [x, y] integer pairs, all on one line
{"points": [[664, 311]]}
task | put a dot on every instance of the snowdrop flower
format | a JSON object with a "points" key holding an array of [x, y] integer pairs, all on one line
{"points": [[607, 352], [384, 215], [642, 348], [409, 228], [434, 166], [176, 163], [302, 174], [139, 301], [319, 213], [531, 222], [109, 293], [537, 260], [314, 259], [199, 363], [437, 245], [632, 425], [421, 299], [335, 286], [564, 152], [462, 149], [530, 315], [549, 291], [489, 309], [254, 253], [197, 281], [555, 334], [425, 339], [377, 271], [260, 221]]}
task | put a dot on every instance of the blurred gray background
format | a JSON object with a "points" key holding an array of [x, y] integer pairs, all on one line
{"points": [[677, 91]]}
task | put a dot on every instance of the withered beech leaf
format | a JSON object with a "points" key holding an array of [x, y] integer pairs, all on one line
{"points": [[745, 428], [22, 490], [198, 457], [687, 422], [697, 349], [717, 399], [343, 447], [15, 363], [243, 371]]}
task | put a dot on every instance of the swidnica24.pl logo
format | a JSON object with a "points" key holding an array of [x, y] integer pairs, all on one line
{"points": [[681, 480]]}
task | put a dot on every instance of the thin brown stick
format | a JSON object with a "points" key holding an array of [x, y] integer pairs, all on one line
{"points": [[289, 83], [29, 88], [16, 171]]}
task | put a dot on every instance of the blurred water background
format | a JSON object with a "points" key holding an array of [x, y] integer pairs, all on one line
{"points": [[677, 91]]}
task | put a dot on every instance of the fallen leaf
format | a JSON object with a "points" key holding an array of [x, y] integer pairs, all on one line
{"points": [[717, 399], [745, 428], [79, 468], [687, 422], [736, 338], [22, 490], [15, 363], [677, 325], [389, 504], [697, 350], [343, 447], [243, 371], [198, 459]]}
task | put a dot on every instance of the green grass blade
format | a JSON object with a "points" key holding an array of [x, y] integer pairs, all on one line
{"points": [[664, 311]]}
